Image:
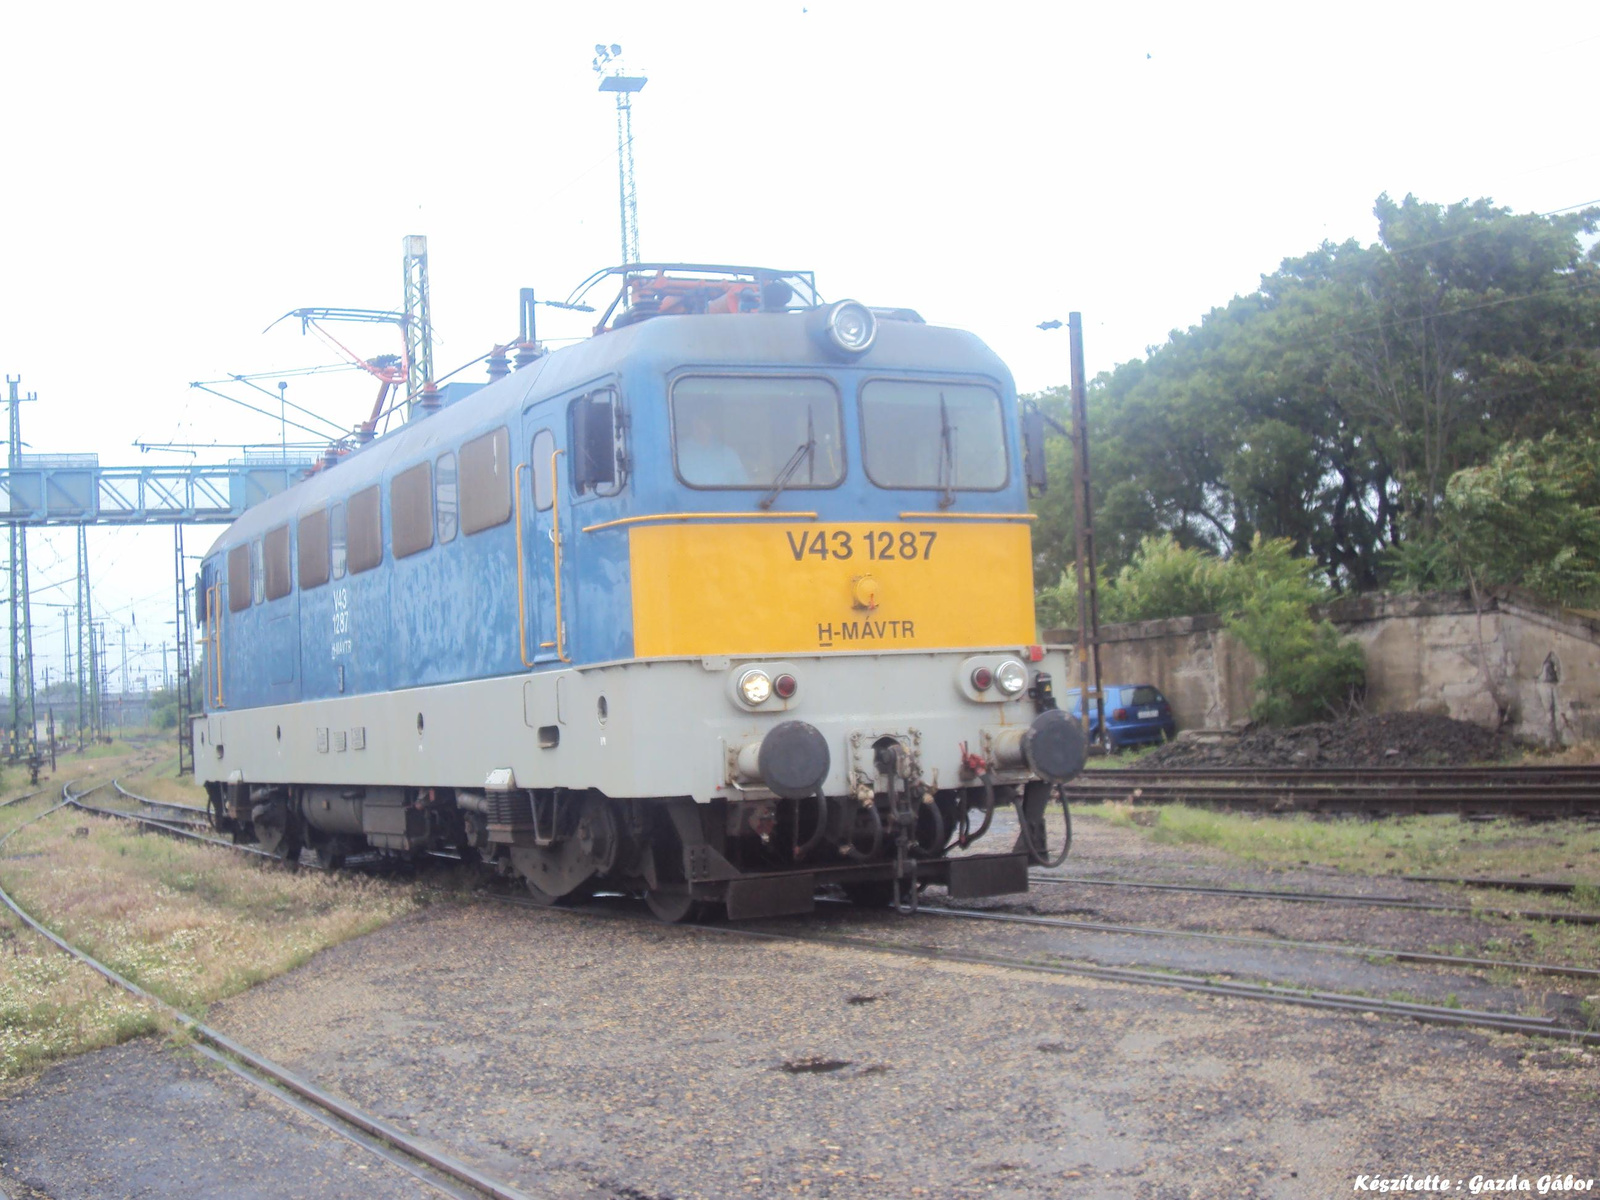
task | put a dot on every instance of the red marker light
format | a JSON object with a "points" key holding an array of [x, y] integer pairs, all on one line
{"points": [[1035, 653], [785, 686], [982, 677]]}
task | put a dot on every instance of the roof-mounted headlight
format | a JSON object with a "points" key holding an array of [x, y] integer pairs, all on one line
{"points": [[846, 327]]}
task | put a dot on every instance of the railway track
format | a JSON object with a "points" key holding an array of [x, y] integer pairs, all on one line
{"points": [[1355, 951], [1526, 792], [1276, 993], [1576, 918], [440, 1171]]}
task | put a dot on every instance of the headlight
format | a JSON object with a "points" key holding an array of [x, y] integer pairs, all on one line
{"points": [[755, 687], [1011, 677], [851, 326]]}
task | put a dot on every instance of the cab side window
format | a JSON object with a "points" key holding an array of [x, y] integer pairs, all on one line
{"points": [[239, 578], [276, 580], [366, 530], [486, 481], [257, 574], [411, 510], [544, 483], [313, 544], [338, 537], [444, 496], [597, 439]]}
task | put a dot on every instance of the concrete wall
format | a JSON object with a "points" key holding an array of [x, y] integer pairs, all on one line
{"points": [[1520, 665]]}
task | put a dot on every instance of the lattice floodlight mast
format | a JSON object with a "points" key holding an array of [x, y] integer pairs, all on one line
{"points": [[23, 724], [85, 638], [185, 656], [608, 65], [417, 323]]}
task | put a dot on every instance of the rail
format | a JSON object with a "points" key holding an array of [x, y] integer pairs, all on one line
{"points": [[269, 1075]]}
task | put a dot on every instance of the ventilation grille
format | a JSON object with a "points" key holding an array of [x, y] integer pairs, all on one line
{"points": [[509, 808]]}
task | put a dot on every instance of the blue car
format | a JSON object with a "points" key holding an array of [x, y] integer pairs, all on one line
{"points": [[1136, 714]]}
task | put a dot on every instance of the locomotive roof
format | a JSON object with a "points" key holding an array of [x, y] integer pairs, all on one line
{"points": [[757, 340]]}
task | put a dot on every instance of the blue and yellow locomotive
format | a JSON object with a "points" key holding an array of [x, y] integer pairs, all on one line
{"points": [[729, 601]]}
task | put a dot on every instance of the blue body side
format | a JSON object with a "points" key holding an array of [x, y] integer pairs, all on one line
{"points": [[450, 613]]}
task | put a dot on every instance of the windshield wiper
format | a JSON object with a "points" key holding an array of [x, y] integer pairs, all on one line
{"points": [[805, 448], [947, 456]]}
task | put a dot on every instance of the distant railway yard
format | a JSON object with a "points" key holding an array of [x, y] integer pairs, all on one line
{"points": [[1195, 1003]]}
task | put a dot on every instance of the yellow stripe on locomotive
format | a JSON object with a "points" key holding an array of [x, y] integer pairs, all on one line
{"points": [[792, 588]]}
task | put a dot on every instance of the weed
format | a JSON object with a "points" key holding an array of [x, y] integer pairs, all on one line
{"points": [[1589, 1007], [189, 922]]}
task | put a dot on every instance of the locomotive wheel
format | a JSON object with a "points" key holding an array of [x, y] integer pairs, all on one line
{"points": [[584, 891], [277, 831], [673, 907]]}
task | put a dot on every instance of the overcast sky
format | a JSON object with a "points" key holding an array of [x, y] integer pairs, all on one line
{"points": [[174, 177]]}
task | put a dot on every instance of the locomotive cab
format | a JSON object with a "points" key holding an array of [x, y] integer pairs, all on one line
{"points": [[732, 601]]}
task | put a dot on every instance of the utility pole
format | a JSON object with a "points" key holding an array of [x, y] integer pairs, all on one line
{"points": [[624, 86], [184, 655], [122, 692], [22, 694], [86, 672], [1083, 528], [97, 667], [66, 640]]}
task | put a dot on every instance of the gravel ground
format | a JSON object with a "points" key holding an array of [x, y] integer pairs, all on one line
{"points": [[592, 1056], [602, 1057], [1102, 850], [142, 1120]]}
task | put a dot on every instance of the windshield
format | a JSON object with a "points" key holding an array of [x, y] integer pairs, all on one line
{"points": [[933, 435], [748, 431]]}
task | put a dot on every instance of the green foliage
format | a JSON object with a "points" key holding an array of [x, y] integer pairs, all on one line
{"points": [[1331, 407], [1531, 516], [1163, 579], [164, 708], [1307, 672], [1422, 564], [1266, 595]]}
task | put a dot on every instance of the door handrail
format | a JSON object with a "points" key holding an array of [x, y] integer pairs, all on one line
{"points": [[214, 604], [522, 610], [555, 541]]}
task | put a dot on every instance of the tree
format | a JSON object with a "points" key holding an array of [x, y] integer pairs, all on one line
{"points": [[1308, 672], [1531, 517], [1331, 406]]}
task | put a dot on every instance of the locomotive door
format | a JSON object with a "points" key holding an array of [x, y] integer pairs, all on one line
{"points": [[545, 621]]}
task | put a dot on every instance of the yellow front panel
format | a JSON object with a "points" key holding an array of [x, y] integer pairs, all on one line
{"points": [[781, 588]]}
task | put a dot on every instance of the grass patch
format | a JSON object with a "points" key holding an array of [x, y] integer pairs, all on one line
{"points": [[161, 781], [1409, 845], [1130, 757], [52, 1006], [191, 923]]}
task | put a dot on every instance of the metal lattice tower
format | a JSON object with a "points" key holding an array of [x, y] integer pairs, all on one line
{"points": [[23, 725], [85, 647], [185, 657], [418, 321], [609, 57]]}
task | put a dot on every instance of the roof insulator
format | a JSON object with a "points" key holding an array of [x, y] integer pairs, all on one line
{"points": [[499, 364]]}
